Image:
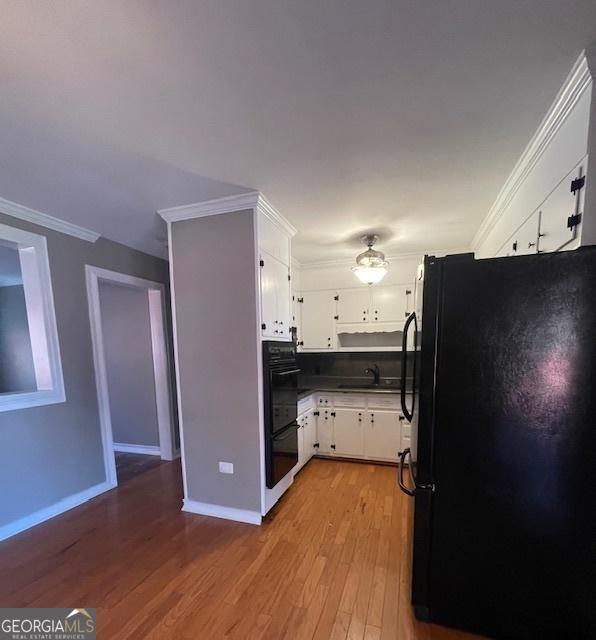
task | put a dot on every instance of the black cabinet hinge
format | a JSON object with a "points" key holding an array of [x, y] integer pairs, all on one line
{"points": [[261, 263], [408, 292], [336, 317], [577, 184], [263, 326], [333, 413], [316, 445], [301, 343], [336, 297], [300, 300], [333, 447], [289, 277], [514, 246], [316, 413], [574, 220]]}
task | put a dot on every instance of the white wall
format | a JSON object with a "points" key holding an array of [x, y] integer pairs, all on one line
{"points": [[559, 144]]}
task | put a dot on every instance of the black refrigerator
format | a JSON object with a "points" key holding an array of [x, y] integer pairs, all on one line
{"points": [[503, 462]]}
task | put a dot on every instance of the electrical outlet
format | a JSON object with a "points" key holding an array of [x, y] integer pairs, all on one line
{"points": [[226, 467]]}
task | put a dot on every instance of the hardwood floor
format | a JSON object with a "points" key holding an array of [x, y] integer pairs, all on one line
{"points": [[129, 465], [330, 562]]}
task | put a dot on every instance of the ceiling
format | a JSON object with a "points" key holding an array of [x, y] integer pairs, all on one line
{"points": [[390, 115]]}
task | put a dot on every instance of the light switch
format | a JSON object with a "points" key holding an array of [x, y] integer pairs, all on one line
{"points": [[226, 467]]}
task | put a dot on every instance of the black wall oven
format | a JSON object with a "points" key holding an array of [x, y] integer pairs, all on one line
{"points": [[280, 388]]}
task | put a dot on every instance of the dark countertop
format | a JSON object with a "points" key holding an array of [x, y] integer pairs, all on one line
{"points": [[325, 385]]}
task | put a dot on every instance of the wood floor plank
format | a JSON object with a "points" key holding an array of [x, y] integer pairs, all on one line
{"points": [[331, 561]]}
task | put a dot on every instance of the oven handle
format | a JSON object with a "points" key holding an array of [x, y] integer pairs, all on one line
{"points": [[287, 432], [286, 373]]}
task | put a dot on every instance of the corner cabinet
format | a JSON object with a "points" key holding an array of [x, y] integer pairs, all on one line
{"points": [[274, 275]]}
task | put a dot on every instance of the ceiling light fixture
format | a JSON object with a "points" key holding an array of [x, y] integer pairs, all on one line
{"points": [[371, 265]]}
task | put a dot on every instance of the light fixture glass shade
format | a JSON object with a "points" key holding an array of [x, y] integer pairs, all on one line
{"points": [[371, 265], [369, 275]]}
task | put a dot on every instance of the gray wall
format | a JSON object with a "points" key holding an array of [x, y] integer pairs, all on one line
{"points": [[49, 453], [16, 357], [129, 362], [214, 281]]}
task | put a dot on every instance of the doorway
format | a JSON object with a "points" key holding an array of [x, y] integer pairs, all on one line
{"points": [[132, 370]]}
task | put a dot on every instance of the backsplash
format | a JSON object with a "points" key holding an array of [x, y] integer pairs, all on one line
{"points": [[348, 365]]}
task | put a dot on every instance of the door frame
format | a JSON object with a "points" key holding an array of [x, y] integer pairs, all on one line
{"points": [[156, 294]]}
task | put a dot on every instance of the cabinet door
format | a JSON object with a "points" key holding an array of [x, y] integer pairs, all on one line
{"points": [[296, 312], [525, 240], [310, 435], [391, 304], [268, 297], [301, 444], [283, 313], [557, 208], [324, 431], [318, 324], [353, 305], [382, 438], [348, 436]]}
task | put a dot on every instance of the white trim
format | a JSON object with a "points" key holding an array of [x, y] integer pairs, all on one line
{"points": [[578, 80], [44, 220], [70, 502], [251, 200], [144, 449], [258, 272], [177, 361], [163, 391], [265, 208], [41, 315], [218, 511]]}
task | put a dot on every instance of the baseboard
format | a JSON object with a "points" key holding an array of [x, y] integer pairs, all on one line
{"points": [[217, 511], [145, 449], [12, 528]]}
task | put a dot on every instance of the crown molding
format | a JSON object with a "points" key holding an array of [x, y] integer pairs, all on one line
{"points": [[44, 220], [266, 208], [252, 200], [349, 262], [579, 79]]}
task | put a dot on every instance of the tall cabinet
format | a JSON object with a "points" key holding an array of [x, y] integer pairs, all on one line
{"points": [[275, 285], [229, 268]]}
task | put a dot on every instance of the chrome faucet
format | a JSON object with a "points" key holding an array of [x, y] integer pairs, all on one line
{"points": [[376, 373]]}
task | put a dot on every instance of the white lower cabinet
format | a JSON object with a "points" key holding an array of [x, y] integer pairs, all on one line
{"points": [[360, 426], [382, 434], [325, 431], [307, 437], [348, 436]]}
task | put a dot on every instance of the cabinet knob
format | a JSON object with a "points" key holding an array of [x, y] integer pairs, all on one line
{"points": [[531, 244]]}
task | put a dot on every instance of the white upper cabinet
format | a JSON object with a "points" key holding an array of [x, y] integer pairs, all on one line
{"points": [[525, 239], [391, 304], [276, 317], [274, 240], [274, 234], [318, 323], [556, 228], [353, 305]]}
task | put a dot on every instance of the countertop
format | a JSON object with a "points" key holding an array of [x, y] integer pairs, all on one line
{"points": [[328, 386]]}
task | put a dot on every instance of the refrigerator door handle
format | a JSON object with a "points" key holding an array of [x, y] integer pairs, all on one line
{"points": [[400, 477], [404, 368]]}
